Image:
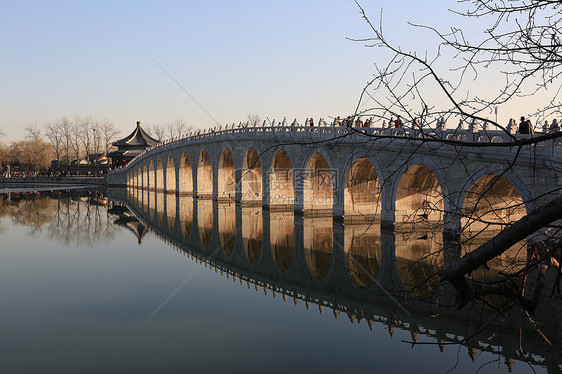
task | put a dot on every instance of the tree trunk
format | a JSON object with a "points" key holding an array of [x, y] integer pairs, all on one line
{"points": [[537, 219]]}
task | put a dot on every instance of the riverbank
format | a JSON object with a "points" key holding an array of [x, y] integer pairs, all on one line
{"points": [[52, 180], [22, 184]]}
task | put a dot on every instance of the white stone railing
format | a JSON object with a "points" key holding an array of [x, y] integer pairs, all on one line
{"points": [[295, 132]]}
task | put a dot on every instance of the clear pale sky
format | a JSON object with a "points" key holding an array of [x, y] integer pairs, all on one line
{"points": [[101, 58]]}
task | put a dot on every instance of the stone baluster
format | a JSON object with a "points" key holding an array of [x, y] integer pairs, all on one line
{"points": [[441, 125], [473, 127], [554, 126]]}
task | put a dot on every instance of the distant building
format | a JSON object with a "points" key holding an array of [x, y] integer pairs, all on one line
{"points": [[131, 146]]}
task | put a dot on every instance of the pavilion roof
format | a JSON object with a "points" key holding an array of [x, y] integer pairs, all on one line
{"points": [[137, 138]]}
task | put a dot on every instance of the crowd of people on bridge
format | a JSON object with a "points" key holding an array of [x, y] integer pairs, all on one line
{"points": [[349, 121], [524, 127]]}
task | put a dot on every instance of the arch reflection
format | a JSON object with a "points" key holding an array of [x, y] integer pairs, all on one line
{"points": [[282, 238], [419, 256], [171, 210], [252, 232], [144, 201], [227, 227], [185, 204], [205, 221], [318, 245], [160, 197], [362, 245]]}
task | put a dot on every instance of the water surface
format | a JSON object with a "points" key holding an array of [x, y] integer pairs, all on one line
{"points": [[166, 284]]}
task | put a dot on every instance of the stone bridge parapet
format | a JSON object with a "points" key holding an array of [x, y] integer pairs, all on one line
{"points": [[387, 174]]}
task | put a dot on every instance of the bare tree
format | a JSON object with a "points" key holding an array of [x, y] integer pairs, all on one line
{"points": [[86, 135], [523, 46], [97, 139], [75, 136], [254, 119], [34, 133], [177, 128], [157, 131], [54, 133], [108, 134], [65, 129]]}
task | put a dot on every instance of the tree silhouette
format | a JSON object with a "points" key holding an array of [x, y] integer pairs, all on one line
{"points": [[521, 46]]}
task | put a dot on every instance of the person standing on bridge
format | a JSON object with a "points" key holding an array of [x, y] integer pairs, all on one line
{"points": [[525, 126], [358, 122], [398, 122]]}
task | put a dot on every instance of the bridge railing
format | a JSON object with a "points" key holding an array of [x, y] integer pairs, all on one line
{"points": [[552, 148]]}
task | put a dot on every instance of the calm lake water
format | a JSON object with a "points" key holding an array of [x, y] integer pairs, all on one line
{"points": [[154, 283]]}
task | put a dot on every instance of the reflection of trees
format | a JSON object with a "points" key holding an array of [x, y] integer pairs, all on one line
{"points": [[71, 217], [81, 220], [30, 210]]}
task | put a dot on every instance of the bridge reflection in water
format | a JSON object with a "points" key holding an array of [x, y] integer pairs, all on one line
{"points": [[370, 274]]}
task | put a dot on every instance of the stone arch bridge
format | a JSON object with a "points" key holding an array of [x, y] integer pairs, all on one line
{"points": [[391, 175]]}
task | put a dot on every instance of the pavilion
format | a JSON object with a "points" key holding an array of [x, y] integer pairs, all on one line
{"points": [[131, 146]]}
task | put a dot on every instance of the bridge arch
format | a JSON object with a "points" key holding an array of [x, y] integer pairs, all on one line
{"points": [[170, 174], [159, 175], [281, 180], [226, 175], [252, 180], [511, 176], [493, 197], [204, 175], [144, 176], [151, 174], [185, 175], [318, 183], [362, 191], [420, 194]]}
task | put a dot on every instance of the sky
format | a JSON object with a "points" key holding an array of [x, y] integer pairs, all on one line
{"points": [[206, 61]]}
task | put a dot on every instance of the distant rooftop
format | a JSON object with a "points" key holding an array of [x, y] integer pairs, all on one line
{"points": [[138, 138]]}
